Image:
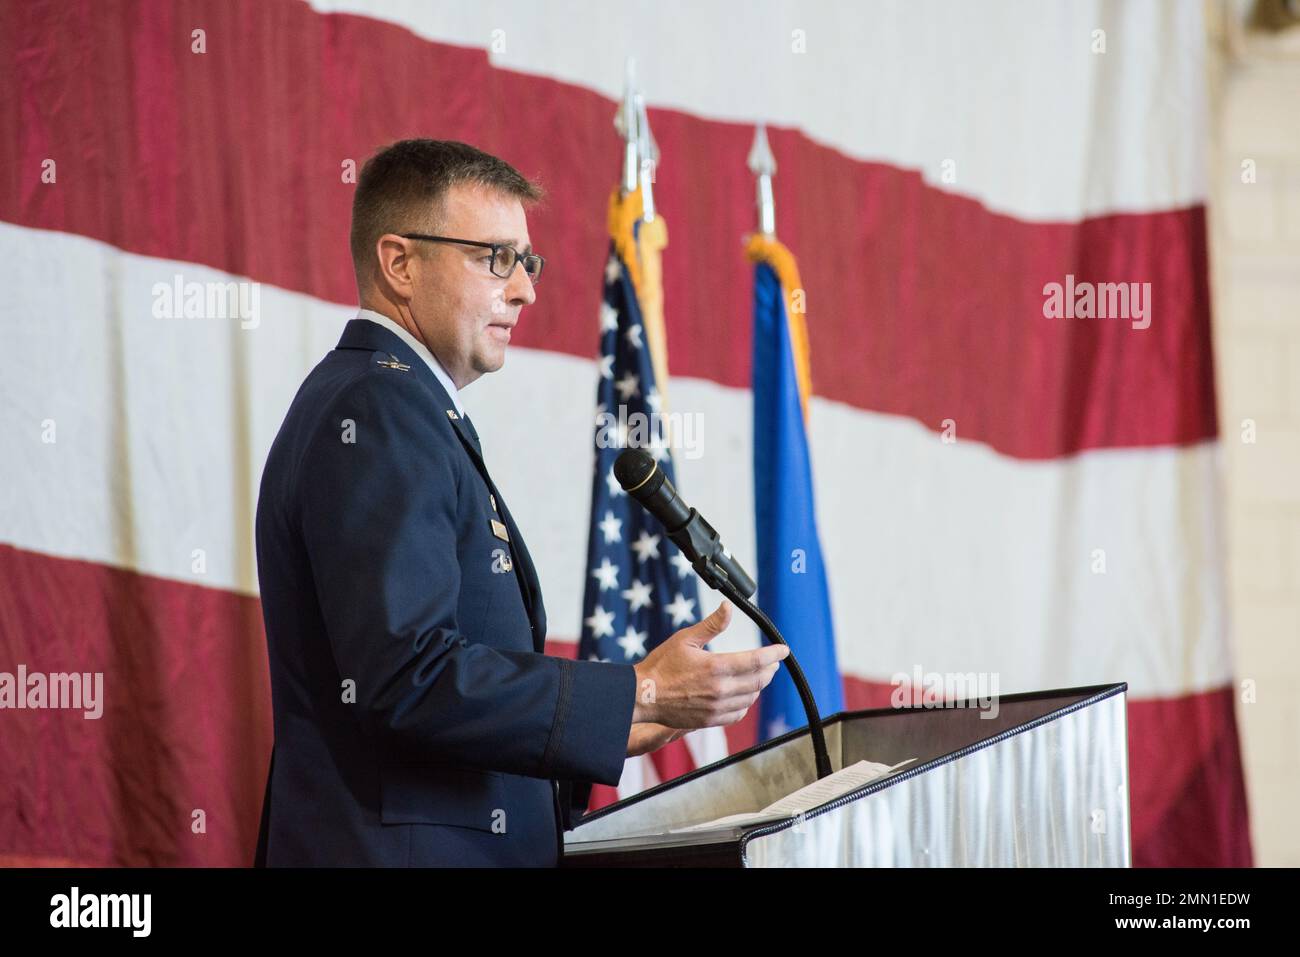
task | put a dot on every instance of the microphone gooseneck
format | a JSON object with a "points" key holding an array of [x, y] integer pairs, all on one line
{"points": [[642, 479]]}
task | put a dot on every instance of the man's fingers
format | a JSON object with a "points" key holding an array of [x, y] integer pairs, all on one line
{"points": [[733, 701], [750, 683], [702, 632], [748, 662], [732, 718]]}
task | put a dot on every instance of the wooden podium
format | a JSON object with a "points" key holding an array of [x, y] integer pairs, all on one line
{"points": [[1043, 782]]}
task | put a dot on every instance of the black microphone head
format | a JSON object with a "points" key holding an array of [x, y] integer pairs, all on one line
{"points": [[643, 479], [633, 467]]}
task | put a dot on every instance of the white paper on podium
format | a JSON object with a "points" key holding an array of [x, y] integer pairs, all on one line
{"points": [[806, 798]]}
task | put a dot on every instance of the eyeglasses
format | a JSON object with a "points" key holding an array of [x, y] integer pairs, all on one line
{"points": [[503, 257]]}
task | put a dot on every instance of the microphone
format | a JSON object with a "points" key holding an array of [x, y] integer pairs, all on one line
{"points": [[641, 477]]}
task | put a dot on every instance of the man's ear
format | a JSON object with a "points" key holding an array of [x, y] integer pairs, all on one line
{"points": [[396, 256]]}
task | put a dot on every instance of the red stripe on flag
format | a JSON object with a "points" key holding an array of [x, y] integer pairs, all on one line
{"points": [[186, 722], [1187, 795], [923, 303], [673, 760], [602, 795]]}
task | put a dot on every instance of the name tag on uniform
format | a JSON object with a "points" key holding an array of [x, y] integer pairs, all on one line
{"points": [[499, 530]]}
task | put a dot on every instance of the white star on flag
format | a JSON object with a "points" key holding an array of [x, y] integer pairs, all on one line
{"points": [[612, 271], [682, 609], [606, 574], [633, 335], [681, 563], [627, 386], [646, 547], [607, 367], [601, 622], [633, 642], [608, 317], [638, 595], [612, 528], [615, 490]]}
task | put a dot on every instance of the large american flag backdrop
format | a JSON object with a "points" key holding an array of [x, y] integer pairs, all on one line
{"points": [[939, 165]]}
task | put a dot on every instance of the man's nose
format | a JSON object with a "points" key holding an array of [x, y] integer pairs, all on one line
{"points": [[519, 288]]}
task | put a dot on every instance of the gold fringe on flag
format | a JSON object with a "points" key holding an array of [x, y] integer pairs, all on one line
{"points": [[770, 250], [644, 257]]}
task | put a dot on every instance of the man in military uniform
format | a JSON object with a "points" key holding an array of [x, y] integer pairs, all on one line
{"points": [[417, 719]]}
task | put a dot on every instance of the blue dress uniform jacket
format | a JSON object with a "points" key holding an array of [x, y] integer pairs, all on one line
{"points": [[417, 720]]}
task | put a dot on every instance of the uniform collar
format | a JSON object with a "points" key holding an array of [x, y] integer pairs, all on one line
{"points": [[421, 350]]}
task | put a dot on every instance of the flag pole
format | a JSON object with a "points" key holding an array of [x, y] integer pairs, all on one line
{"points": [[625, 121], [763, 165]]}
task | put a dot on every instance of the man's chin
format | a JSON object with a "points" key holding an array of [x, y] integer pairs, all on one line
{"points": [[491, 363]]}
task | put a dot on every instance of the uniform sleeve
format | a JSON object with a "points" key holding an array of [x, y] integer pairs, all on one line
{"points": [[378, 520]]}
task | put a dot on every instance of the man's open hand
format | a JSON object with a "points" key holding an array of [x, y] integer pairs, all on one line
{"points": [[680, 685]]}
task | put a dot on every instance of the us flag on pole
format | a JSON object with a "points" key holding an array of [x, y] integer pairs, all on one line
{"points": [[640, 589]]}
